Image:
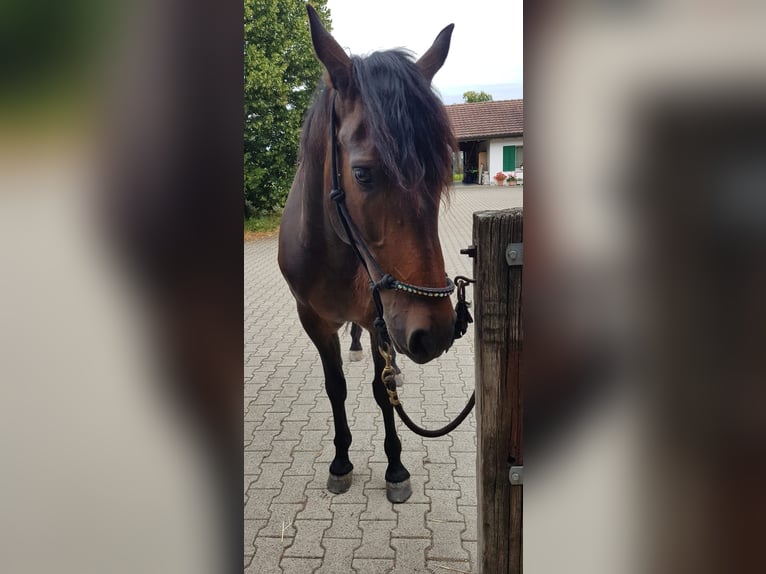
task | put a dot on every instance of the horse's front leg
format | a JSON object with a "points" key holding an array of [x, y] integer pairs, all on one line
{"points": [[398, 487], [324, 334]]}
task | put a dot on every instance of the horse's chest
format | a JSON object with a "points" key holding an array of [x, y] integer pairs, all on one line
{"points": [[333, 285], [339, 303]]}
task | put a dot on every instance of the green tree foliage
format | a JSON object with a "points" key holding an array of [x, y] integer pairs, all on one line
{"points": [[472, 97], [281, 74], [52, 54]]}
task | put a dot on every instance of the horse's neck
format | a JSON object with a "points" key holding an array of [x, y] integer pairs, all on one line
{"points": [[313, 216], [315, 211]]}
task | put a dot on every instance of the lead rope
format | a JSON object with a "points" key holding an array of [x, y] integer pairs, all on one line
{"points": [[389, 373], [386, 281]]}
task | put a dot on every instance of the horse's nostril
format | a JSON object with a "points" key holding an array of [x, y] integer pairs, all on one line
{"points": [[421, 346]]}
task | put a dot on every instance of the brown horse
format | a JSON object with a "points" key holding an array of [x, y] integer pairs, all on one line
{"points": [[375, 161]]}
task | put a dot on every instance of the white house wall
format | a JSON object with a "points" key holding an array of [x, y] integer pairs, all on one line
{"points": [[496, 154]]}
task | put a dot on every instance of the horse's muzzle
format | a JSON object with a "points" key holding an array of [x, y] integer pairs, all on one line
{"points": [[422, 346], [423, 339]]}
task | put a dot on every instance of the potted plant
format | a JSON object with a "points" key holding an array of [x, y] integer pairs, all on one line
{"points": [[511, 180], [500, 177]]}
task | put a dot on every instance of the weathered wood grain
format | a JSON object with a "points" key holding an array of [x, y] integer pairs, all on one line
{"points": [[499, 414]]}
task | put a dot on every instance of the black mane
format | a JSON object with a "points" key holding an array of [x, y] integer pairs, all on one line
{"points": [[406, 120]]}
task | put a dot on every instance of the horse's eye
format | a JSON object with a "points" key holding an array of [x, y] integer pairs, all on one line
{"points": [[363, 175]]}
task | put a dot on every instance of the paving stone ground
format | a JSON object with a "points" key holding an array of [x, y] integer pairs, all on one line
{"points": [[292, 523]]}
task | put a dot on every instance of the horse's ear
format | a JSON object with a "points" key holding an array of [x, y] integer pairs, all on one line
{"points": [[430, 62], [333, 57]]}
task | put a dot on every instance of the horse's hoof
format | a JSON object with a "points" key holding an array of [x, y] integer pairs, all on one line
{"points": [[399, 378], [398, 492], [339, 484], [355, 356]]}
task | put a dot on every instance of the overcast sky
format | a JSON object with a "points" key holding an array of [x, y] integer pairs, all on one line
{"points": [[487, 45]]}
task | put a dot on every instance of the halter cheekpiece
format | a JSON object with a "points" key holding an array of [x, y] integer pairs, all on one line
{"points": [[386, 280]]}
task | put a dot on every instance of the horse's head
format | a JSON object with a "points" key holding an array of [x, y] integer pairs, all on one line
{"points": [[394, 155]]}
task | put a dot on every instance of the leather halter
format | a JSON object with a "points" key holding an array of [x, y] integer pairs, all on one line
{"points": [[385, 280]]}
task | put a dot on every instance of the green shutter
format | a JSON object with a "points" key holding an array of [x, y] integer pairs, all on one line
{"points": [[509, 158]]}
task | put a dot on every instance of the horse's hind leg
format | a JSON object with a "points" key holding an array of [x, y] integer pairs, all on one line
{"points": [[356, 353], [399, 378], [398, 487], [325, 337]]}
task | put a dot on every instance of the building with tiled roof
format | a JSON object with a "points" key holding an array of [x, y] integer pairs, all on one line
{"points": [[491, 138]]}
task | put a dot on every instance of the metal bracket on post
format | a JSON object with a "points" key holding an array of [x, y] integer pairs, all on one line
{"points": [[514, 254], [516, 475]]}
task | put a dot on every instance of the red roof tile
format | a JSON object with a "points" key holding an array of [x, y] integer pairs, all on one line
{"points": [[482, 120]]}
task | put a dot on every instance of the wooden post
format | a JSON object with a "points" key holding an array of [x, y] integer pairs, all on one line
{"points": [[498, 340]]}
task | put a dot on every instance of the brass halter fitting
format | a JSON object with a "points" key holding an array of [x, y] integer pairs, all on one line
{"points": [[388, 374]]}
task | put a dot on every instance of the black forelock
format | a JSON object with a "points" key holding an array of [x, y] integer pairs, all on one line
{"points": [[406, 119]]}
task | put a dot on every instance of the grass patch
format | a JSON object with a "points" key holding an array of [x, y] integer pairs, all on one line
{"points": [[262, 225]]}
